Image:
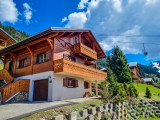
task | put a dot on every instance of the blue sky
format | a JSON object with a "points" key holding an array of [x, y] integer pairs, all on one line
{"points": [[113, 22]]}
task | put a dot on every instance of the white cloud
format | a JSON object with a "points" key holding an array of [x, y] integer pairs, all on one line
{"points": [[8, 11], [117, 5], [82, 4], [121, 17], [76, 20], [64, 19], [27, 12]]}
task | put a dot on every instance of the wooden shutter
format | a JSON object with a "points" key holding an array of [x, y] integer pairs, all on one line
{"points": [[76, 83], [35, 59], [48, 55], [17, 64], [84, 85], [88, 85], [65, 82], [28, 61]]}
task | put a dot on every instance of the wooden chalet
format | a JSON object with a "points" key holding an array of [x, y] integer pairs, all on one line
{"points": [[5, 39], [135, 71], [55, 64]]}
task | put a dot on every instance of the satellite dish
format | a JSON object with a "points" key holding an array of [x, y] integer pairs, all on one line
{"points": [[144, 50]]}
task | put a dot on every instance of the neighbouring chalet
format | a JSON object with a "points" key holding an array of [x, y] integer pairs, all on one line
{"points": [[55, 64], [5, 39], [135, 71]]}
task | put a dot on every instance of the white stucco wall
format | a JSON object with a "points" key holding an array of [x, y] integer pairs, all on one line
{"points": [[61, 93], [39, 76], [56, 91]]}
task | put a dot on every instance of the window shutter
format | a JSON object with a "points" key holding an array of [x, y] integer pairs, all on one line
{"points": [[35, 59], [65, 82], [88, 85], [28, 61], [84, 85], [48, 55], [17, 65], [76, 83]]}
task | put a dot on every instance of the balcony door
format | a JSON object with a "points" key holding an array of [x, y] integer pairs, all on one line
{"points": [[11, 67]]}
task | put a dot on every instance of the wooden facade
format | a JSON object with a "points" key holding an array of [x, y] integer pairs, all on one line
{"points": [[77, 47], [135, 72], [71, 52]]}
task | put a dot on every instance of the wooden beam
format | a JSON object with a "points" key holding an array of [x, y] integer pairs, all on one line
{"points": [[31, 52], [49, 42], [13, 56], [42, 39]]}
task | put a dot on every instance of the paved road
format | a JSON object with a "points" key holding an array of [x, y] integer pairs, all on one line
{"points": [[19, 110]]}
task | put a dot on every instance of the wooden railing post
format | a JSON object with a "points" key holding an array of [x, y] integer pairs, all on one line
{"points": [[96, 86]]}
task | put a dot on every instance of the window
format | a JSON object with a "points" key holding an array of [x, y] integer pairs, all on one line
{"points": [[76, 40], [69, 57], [22, 63], [86, 85], [70, 83], [42, 57]]}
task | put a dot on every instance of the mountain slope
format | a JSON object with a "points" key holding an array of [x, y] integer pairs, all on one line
{"points": [[16, 34]]}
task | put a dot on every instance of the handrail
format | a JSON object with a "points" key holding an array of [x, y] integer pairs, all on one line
{"points": [[10, 90], [81, 48], [63, 65], [5, 75]]}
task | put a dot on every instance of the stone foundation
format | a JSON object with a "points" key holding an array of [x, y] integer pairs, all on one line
{"points": [[21, 97]]}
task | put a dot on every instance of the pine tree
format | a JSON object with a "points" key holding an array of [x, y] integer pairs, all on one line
{"points": [[148, 93], [120, 67], [113, 86]]}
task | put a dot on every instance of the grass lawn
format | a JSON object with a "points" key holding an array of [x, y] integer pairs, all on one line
{"points": [[142, 90], [149, 119], [62, 110]]}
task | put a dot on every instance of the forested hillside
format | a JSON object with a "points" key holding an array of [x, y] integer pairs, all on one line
{"points": [[16, 34]]}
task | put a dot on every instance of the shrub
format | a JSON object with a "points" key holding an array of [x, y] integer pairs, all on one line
{"points": [[148, 93], [125, 85], [131, 92], [136, 93]]}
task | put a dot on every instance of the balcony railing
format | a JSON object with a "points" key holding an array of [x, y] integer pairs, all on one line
{"points": [[75, 69], [5, 75], [81, 48]]}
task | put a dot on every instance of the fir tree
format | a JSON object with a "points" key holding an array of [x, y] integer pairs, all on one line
{"points": [[113, 86], [120, 66], [148, 93]]}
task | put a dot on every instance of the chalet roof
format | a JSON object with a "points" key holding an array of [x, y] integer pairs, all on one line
{"points": [[47, 32], [133, 64], [6, 34], [147, 79]]}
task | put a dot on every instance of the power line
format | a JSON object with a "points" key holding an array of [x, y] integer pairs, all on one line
{"points": [[125, 35], [133, 42]]}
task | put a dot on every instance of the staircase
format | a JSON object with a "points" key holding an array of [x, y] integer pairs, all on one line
{"points": [[11, 88]]}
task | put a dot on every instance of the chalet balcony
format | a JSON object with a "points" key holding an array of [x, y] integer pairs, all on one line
{"points": [[73, 69], [80, 48]]}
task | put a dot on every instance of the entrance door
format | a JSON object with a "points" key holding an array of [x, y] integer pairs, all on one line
{"points": [[11, 67], [40, 90]]}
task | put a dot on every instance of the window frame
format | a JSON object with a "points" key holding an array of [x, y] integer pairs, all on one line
{"points": [[23, 60], [86, 85], [44, 54]]}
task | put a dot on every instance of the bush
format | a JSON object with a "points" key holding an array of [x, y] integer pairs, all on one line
{"points": [[136, 93], [148, 93], [131, 91]]}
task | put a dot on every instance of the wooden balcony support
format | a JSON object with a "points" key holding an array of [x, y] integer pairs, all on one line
{"points": [[83, 49], [63, 66]]}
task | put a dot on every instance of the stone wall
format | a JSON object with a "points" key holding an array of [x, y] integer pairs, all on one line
{"points": [[112, 111], [21, 97]]}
